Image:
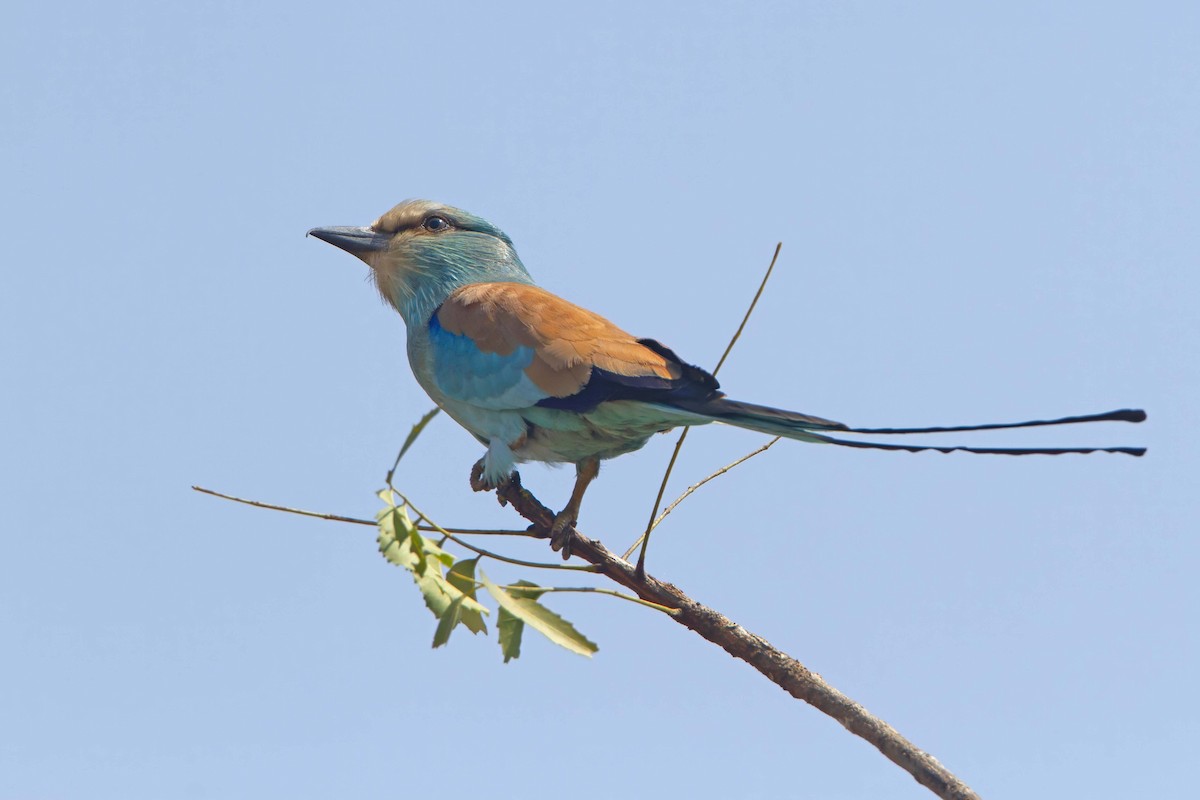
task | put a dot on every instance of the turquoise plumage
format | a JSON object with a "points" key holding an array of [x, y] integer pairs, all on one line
{"points": [[536, 378]]}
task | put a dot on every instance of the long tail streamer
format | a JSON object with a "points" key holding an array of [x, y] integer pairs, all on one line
{"points": [[996, 451], [1120, 415]]}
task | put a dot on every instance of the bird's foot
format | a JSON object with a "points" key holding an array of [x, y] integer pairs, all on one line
{"points": [[562, 532], [480, 483]]}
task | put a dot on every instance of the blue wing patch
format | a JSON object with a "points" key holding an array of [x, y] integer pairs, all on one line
{"points": [[488, 380]]}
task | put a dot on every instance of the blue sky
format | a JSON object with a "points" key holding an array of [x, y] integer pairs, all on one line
{"points": [[987, 214]]}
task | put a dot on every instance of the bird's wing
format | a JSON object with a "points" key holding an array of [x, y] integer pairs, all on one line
{"points": [[512, 345]]}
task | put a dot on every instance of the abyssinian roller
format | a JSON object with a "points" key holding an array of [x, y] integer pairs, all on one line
{"points": [[534, 377]]}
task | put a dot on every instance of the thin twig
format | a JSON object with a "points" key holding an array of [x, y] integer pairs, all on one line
{"points": [[273, 507], [357, 521], [662, 487], [644, 539], [750, 310], [696, 486], [716, 474], [478, 531]]}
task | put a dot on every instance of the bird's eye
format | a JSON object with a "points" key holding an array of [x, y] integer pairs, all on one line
{"points": [[436, 223]]}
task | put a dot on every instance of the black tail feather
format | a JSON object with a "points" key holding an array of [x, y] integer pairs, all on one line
{"points": [[1120, 415], [997, 451]]}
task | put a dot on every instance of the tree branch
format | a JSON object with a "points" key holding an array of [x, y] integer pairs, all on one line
{"points": [[780, 668]]}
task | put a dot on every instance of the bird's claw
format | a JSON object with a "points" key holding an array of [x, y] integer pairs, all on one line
{"points": [[478, 484], [481, 484], [562, 533], [477, 477]]}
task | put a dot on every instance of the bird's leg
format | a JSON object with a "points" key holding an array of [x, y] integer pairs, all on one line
{"points": [[564, 521]]}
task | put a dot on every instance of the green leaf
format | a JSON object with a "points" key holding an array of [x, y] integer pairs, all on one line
{"points": [[433, 550], [403, 545], [519, 604], [397, 526], [416, 544], [447, 622], [527, 590], [439, 594], [412, 437], [435, 590], [462, 577], [393, 539], [510, 628]]}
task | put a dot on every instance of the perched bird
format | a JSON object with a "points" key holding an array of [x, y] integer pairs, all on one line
{"points": [[536, 378]]}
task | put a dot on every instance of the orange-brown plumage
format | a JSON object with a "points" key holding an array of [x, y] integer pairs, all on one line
{"points": [[568, 341]]}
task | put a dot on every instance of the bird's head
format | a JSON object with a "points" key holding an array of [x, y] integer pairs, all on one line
{"points": [[420, 251]]}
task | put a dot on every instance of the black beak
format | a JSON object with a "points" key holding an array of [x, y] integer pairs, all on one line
{"points": [[355, 241]]}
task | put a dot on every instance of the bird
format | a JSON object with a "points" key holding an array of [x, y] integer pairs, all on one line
{"points": [[536, 378]]}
